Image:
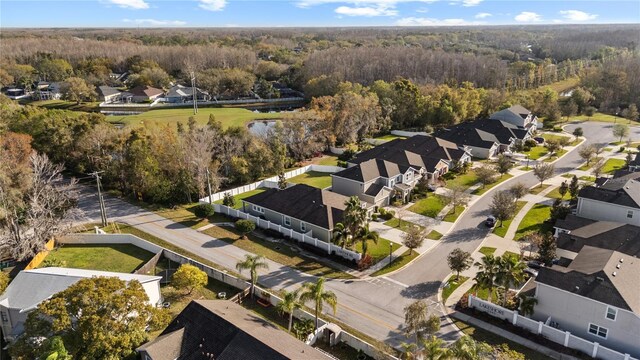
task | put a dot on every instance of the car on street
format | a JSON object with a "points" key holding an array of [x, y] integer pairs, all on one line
{"points": [[491, 221]]}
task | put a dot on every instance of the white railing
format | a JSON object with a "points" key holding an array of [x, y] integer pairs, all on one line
{"points": [[157, 103], [564, 338], [304, 238], [407, 133]]}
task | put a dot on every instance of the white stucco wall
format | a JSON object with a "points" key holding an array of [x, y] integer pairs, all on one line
{"points": [[598, 210]]}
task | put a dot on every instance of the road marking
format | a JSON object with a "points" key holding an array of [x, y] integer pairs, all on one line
{"points": [[383, 323], [396, 282]]}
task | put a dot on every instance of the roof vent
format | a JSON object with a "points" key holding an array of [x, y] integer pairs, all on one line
{"points": [[614, 273], [621, 260], [618, 266], [577, 288]]}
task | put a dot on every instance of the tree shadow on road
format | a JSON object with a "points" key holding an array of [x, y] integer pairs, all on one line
{"points": [[421, 291]]}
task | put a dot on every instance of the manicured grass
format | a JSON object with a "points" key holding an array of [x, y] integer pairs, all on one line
{"points": [[557, 154], [389, 137], [494, 340], [567, 176], [611, 165], [452, 285], [511, 254], [555, 194], [279, 252], [452, 216], [161, 117], [486, 250], [64, 105], [536, 152], [397, 263], [402, 225], [573, 142], [538, 189], [463, 180], [481, 190], [534, 221], [607, 149], [313, 178], [122, 258], [525, 168], [587, 178], [377, 251], [183, 214], [434, 235], [502, 230], [600, 117], [563, 85], [327, 160], [430, 206], [240, 197]]}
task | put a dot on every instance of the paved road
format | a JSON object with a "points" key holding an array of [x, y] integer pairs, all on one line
{"points": [[373, 306]]}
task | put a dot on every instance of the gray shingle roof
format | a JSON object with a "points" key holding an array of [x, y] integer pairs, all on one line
{"points": [[371, 170], [624, 191], [108, 91], [624, 238]]}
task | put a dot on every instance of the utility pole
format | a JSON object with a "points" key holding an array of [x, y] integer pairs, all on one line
{"points": [[103, 211], [209, 185], [193, 90]]}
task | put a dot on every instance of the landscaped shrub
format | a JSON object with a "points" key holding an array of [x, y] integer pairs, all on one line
{"points": [[374, 217], [229, 200], [387, 214], [245, 227], [530, 143], [204, 210], [365, 262]]}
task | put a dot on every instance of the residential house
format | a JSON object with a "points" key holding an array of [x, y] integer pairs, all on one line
{"points": [[109, 95], [375, 181], [180, 94], [17, 93], [224, 330], [31, 287], [596, 297], [48, 91], [145, 93], [634, 165], [616, 199], [519, 116], [302, 208]]}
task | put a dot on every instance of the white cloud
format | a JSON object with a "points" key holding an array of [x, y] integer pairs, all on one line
{"points": [[528, 16], [471, 2], [482, 15], [366, 11], [420, 21], [154, 22], [213, 5], [577, 15], [359, 3], [132, 4]]}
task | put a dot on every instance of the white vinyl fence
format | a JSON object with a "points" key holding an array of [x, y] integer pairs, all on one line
{"points": [[304, 238], [407, 133], [272, 182], [564, 338]]}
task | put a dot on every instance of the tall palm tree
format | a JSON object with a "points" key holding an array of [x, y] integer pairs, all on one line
{"points": [[354, 215], [408, 351], [315, 292], [510, 271], [434, 349], [526, 304], [486, 277], [364, 235], [340, 235], [466, 348], [252, 263], [289, 303]]}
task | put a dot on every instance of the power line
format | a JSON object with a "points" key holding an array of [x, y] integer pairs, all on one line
{"points": [[103, 210]]}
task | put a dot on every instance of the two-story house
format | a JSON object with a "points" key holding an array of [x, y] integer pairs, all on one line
{"points": [[519, 116], [596, 297], [375, 181], [616, 199], [180, 94]]}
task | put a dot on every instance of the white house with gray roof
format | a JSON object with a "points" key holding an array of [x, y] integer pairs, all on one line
{"points": [[518, 116], [617, 199], [31, 287]]}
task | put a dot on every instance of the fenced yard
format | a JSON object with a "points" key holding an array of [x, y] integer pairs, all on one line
{"points": [[123, 258]]}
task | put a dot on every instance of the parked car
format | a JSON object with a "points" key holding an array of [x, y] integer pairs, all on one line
{"points": [[531, 272], [491, 221], [535, 264], [539, 140]]}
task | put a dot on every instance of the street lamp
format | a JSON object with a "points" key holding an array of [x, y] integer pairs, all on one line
{"points": [[527, 162], [390, 251]]}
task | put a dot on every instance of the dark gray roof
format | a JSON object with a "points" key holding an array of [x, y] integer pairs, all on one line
{"points": [[374, 189], [515, 111], [183, 91], [372, 169], [636, 160], [572, 222], [303, 202], [108, 91], [624, 191], [598, 274], [624, 238], [482, 133], [224, 330]]}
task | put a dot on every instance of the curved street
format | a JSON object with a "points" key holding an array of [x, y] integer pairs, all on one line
{"points": [[373, 306]]}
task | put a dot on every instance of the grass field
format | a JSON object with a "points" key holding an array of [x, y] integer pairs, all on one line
{"points": [[534, 221], [502, 231], [452, 216], [403, 225], [481, 190], [327, 160], [64, 105], [563, 85], [611, 165], [538, 189], [464, 180], [123, 258], [317, 179], [452, 285], [227, 116], [585, 166], [183, 214], [556, 155], [434, 235], [555, 194], [240, 197], [430, 206], [389, 137], [573, 142], [600, 117], [377, 251], [397, 263], [486, 250], [536, 152]]}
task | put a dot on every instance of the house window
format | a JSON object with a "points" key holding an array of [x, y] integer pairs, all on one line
{"points": [[258, 209], [630, 214], [611, 313], [303, 226], [399, 178], [598, 331], [4, 316], [287, 221]]}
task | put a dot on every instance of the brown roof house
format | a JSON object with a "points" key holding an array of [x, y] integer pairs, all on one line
{"points": [[145, 93]]}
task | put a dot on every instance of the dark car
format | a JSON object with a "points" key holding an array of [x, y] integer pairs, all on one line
{"points": [[539, 140], [535, 264], [490, 222]]}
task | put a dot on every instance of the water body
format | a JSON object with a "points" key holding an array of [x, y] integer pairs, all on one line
{"points": [[261, 127]]}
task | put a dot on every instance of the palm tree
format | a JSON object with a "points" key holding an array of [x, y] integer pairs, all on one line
{"points": [[252, 263], [408, 351], [340, 235], [354, 215], [466, 348], [486, 277], [364, 235], [315, 292], [289, 303], [434, 349], [510, 271], [526, 304]]}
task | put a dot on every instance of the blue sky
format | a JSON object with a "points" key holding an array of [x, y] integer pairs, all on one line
{"points": [[267, 13]]}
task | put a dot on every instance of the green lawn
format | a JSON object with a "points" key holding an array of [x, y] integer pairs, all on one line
{"points": [[611, 165], [377, 251], [502, 231], [452, 216], [279, 252], [64, 105], [403, 225], [587, 178], [452, 285], [536, 152], [183, 214], [481, 190], [240, 197], [463, 180], [600, 117], [534, 221], [563, 85], [538, 189], [558, 154], [327, 160], [434, 235], [123, 258], [431, 206], [486, 250], [227, 116], [389, 137], [313, 178], [573, 142], [555, 194], [397, 263], [585, 166]]}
